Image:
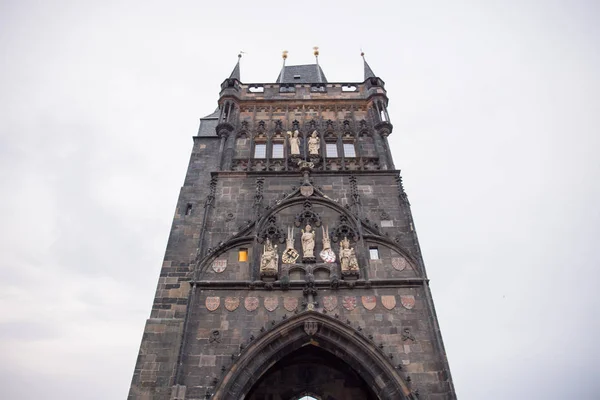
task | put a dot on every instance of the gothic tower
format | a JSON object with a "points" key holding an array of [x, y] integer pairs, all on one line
{"points": [[293, 267]]}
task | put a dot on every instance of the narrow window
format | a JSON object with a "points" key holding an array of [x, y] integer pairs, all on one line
{"points": [[243, 255], [331, 149], [188, 209], [373, 253], [277, 150], [260, 151], [349, 150]]}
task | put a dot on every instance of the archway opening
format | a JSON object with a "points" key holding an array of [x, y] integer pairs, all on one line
{"points": [[310, 373]]}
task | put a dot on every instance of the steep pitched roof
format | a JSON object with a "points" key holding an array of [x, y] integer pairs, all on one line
{"points": [[368, 71], [235, 74], [310, 73]]}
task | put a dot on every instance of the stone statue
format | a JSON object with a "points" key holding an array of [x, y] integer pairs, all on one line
{"points": [[348, 260], [269, 261], [327, 254], [294, 143], [314, 144], [308, 242]]}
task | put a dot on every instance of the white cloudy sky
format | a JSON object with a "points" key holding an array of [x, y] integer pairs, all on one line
{"points": [[496, 113]]}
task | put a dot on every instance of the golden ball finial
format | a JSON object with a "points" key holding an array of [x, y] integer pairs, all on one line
{"points": [[284, 55], [316, 50]]}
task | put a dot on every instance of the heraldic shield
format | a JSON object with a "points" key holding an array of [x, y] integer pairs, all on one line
{"points": [[271, 303], [408, 301], [330, 302], [369, 302], [251, 303], [388, 302], [231, 303], [212, 303], [349, 302], [290, 303]]}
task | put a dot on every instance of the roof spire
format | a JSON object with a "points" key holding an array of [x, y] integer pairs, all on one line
{"points": [[316, 53], [284, 55], [368, 71], [235, 74]]}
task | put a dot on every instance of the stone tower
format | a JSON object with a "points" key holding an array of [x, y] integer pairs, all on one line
{"points": [[293, 266]]}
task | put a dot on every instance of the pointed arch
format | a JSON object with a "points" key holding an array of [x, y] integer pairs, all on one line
{"points": [[313, 329]]}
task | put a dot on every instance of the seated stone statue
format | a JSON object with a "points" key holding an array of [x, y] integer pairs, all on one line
{"points": [[269, 260], [348, 260]]}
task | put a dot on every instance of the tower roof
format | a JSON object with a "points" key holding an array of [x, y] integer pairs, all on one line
{"points": [[368, 71], [235, 74], [309, 73]]}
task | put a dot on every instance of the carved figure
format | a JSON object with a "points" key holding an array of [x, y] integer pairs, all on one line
{"points": [[314, 143], [347, 257], [269, 261], [294, 143], [308, 242]]}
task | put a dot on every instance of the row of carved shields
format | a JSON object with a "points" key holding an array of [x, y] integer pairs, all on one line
{"points": [[330, 303]]}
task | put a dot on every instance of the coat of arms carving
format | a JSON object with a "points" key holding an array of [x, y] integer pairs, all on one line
{"points": [[271, 303], [311, 327], [306, 190], [330, 302], [231, 303], [369, 302], [219, 265], [408, 301], [212, 303], [388, 302], [349, 302], [290, 303], [399, 263], [251, 303]]}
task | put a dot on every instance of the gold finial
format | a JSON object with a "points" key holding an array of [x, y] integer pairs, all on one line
{"points": [[316, 51], [284, 55]]}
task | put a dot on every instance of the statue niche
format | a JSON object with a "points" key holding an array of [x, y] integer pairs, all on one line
{"points": [[269, 261], [348, 261], [308, 244]]}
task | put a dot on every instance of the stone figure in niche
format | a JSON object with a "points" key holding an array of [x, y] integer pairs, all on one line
{"points": [[308, 242], [269, 261], [294, 143], [327, 254], [314, 143], [348, 260]]}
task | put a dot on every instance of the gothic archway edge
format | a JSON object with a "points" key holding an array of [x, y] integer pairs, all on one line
{"points": [[332, 335]]}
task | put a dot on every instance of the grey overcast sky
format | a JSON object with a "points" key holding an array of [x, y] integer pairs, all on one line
{"points": [[496, 113]]}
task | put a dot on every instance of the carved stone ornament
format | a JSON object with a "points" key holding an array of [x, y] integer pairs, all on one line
{"points": [[349, 302], [290, 255], [343, 229], [272, 231], [308, 242], [271, 303], [327, 255], [290, 303], [212, 303], [307, 216], [407, 335], [408, 301], [388, 302], [251, 303], [348, 261], [369, 302], [399, 263], [307, 190], [232, 303], [215, 337], [219, 265], [330, 302], [311, 327]]}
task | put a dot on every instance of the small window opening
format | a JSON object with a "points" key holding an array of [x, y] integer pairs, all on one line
{"points": [[297, 76], [256, 89], [349, 88], [188, 209], [382, 114], [331, 150], [243, 255], [349, 150], [260, 151], [373, 253], [277, 150]]}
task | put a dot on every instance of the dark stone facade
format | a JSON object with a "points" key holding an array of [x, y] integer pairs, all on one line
{"points": [[218, 330]]}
